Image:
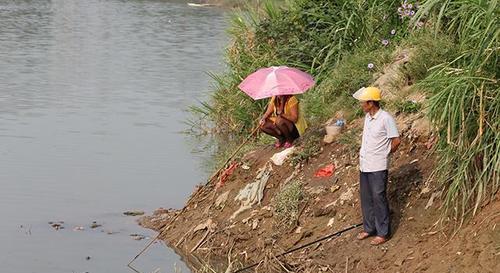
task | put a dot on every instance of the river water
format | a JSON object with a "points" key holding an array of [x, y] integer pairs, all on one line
{"points": [[92, 99]]}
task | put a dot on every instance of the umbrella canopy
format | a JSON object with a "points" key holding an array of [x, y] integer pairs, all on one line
{"points": [[276, 81]]}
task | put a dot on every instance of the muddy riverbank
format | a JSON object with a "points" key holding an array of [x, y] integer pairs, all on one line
{"points": [[210, 230]]}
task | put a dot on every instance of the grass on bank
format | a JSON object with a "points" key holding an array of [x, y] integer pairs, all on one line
{"points": [[454, 45]]}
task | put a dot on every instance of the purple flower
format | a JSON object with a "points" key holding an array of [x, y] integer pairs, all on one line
{"points": [[393, 32], [370, 66], [385, 42], [400, 10], [412, 13]]}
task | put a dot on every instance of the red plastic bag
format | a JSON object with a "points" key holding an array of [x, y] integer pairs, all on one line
{"points": [[326, 171], [226, 174]]}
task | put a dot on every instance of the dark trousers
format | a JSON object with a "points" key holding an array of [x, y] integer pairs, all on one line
{"points": [[374, 204]]}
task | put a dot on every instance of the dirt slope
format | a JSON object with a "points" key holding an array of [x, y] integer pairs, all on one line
{"points": [[419, 243]]}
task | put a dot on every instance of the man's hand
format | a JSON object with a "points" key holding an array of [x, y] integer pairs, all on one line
{"points": [[395, 144]]}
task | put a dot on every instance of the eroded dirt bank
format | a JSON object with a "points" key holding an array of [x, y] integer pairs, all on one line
{"points": [[210, 230]]}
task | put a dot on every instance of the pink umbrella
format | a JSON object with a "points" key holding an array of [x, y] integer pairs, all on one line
{"points": [[276, 81]]}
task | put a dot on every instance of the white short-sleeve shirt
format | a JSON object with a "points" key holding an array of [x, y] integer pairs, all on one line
{"points": [[378, 131]]}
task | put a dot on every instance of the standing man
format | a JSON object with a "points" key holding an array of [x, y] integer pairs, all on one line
{"points": [[380, 138]]}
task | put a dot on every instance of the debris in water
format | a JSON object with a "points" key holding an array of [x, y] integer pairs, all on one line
{"points": [[78, 228], [95, 225], [57, 225], [134, 213], [138, 237], [87, 258]]}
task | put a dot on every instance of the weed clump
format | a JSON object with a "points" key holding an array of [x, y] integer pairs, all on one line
{"points": [[287, 203]]}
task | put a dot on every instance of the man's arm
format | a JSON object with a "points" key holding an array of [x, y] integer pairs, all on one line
{"points": [[395, 144]]}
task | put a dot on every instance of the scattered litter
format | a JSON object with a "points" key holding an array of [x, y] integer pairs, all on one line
{"points": [[78, 229], [279, 158], [414, 161], [298, 230], [226, 174], [429, 233], [138, 237], [221, 200], [431, 200], [330, 222], [245, 167], [346, 196], [57, 225], [134, 213], [315, 190], [254, 192], [255, 224], [95, 225], [326, 171], [199, 5], [425, 190], [209, 224], [334, 188]]}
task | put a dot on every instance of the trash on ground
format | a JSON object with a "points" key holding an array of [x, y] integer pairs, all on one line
{"points": [[254, 192], [333, 128], [221, 200], [279, 158], [431, 200], [208, 224], [326, 171], [334, 188], [226, 174]]}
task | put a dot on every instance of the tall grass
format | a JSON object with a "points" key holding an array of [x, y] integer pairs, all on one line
{"points": [[465, 102], [315, 36], [335, 40]]}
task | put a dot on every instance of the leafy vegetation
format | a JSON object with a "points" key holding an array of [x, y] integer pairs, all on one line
{"points": [[287, 204], [465, 101], [346, 45]]}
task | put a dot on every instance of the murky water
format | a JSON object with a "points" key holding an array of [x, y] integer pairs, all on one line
{"points": [[92, 97]]}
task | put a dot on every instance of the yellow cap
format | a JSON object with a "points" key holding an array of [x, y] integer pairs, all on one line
{"points": [[367, 94]]}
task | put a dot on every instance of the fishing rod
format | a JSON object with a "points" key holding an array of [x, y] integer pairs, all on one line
{"points": [[338, 233]]}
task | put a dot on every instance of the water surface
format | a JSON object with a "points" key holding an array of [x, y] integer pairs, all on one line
{"points": [[92, 97]]}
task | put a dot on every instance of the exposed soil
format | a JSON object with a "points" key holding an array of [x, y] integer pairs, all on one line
{"points": [[420, 243]]}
